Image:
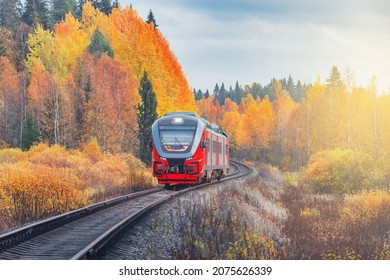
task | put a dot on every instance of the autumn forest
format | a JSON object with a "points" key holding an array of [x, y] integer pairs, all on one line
{"points": [[69, 111]]}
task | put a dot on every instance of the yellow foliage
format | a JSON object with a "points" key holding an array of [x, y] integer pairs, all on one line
{"points": [[342, 171], [11, 155], [361, 210], [50, 180], [92, 150], [310, 213]]}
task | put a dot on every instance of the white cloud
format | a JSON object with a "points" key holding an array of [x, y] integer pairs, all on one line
{"points": [[257, 40]]}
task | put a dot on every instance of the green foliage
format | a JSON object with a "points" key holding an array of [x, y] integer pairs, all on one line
{"points": [[147, 114], [36, 12], [339, 171], [9, 14], [104, 6], [59, 8], [334, 82], [99, 44], [30, 134], [151, 19]]}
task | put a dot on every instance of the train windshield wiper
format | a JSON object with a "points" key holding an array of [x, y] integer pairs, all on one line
{"points": [[177, 140]]}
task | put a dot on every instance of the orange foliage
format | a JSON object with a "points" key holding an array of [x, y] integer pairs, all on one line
{"points": [[110, 112], [61, 70], [9, 101]]}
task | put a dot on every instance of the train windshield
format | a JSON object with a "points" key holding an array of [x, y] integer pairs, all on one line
{"points": [[177, 138]]}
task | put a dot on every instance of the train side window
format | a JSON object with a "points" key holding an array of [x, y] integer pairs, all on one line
{"points": [[208, 145], [220, 148], [214, 147]]}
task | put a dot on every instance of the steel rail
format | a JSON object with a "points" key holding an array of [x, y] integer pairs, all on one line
{"points": [[25, 233], [94, 248]]}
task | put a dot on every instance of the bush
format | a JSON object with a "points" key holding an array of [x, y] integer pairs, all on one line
{"points": [[354, 226], [11, 155], [367, 214], [339, 171]]}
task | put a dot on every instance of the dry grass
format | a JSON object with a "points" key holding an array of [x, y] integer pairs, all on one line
{"points": [[45, 180], [265, 218], [337, 226], [237, 221]]}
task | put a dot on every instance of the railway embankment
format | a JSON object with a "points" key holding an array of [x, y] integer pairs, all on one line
{"points": [[239, 219]]}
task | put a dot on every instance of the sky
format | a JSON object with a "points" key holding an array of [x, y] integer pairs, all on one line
{"points": [[224, 41]]}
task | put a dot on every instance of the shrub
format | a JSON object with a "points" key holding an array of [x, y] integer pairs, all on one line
{"points": [[36, 191], [367, 214], [339, 171], [11, 155]]}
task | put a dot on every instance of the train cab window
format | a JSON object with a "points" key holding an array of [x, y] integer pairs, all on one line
{"points": [[177, 138]]}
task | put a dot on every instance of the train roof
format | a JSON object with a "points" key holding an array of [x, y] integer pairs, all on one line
{"points": [[212, 127], [192, 114]]}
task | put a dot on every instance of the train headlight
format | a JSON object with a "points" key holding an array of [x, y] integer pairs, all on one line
{"points": [[189, 158], [177, 120]]}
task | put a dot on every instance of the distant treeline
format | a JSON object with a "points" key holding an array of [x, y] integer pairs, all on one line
{"points": [[297, 91]]}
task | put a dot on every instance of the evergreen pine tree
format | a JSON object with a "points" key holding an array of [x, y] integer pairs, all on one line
{"points": [[238, 93], [36, 12], [79, 9], [59, 8], [207, 94], [30, 134], [151, 19], [100, 45], [199, 95], [216, 89], [334, 82], [9, 14], [88, 89], [147, 114], [222, 95], [292, 89], [230, 93], [104, 6]]}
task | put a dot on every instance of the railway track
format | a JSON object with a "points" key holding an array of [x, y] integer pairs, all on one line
{"points": [[81, 234]]}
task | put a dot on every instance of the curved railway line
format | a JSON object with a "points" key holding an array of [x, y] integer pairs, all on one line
{"points": [[81, 234]]}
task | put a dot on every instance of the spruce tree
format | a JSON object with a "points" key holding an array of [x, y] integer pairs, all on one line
{"points": [[9, 14], [104, 6], [36, 12], [238, 93], [100, 45], [334, 82], [79, 8], [198, 95], [59, 8], [30, 134], [147, 114], [151, 19], [222, 94]]}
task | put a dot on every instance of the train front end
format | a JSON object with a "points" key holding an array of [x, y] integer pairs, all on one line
{"points": [[178, 154]]}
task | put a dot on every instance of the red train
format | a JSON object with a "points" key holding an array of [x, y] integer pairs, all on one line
{"points": [[188, 150]]}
